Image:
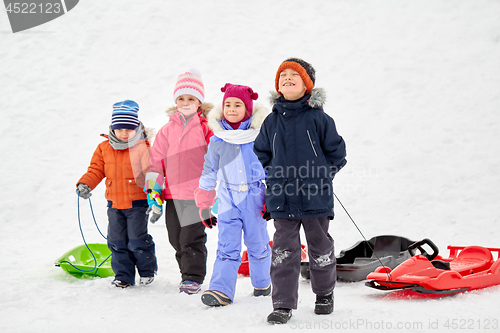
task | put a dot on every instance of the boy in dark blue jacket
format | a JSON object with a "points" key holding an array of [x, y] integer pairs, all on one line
{"points": [[301, 151]]}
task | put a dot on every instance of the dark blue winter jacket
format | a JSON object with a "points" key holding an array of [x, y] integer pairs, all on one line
{"points": [[301, 151]]}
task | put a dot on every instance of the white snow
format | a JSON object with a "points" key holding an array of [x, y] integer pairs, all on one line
{"points": [[279, 256], [413, 87], [323, 260]]}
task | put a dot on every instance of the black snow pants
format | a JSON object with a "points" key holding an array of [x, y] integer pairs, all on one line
{"points": [[285, 262], [187, 236]]}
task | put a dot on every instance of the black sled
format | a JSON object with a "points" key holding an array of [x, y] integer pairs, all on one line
{"points": [[356, 262]]}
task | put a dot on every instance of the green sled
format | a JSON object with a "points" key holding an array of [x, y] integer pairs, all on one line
{"points": [[79, 261]]}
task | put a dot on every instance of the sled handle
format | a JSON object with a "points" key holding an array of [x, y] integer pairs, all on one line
{"points": [[418, 245]]}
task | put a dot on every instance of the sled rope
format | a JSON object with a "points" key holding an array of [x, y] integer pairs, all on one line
{"points": [[96, 267], [92, 210], [83, 237], [371, 248]]}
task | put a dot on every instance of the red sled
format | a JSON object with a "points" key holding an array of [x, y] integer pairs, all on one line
{"points": [[467, 268], [244, 269]]}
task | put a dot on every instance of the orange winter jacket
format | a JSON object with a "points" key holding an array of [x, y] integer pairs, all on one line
{"points": [[124, 171]]}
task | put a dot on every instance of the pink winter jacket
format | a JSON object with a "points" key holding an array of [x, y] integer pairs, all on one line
{"points": [[178, 153]]}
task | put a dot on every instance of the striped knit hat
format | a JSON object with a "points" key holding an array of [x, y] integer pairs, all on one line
{"points": [[305, 70], [125, 115], [190, 83]]}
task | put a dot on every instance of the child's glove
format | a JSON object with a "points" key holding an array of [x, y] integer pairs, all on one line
{"points": [[155, 202], [153, 193], [153, 182], [83, 191], [265, 214], [155, 216], [204, 199], [207, 218]]}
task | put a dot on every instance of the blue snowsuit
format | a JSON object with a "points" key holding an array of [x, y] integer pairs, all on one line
{"points": [[241, 194]]}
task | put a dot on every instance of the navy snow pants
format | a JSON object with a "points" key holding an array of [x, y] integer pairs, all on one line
{"points": [[130, 244]]}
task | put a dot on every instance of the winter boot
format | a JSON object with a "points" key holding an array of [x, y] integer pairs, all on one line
{"points": [[262, 291], [120, 284], [279, 316], [145, 280], [189, 287], [324, 304], [215, 298]]}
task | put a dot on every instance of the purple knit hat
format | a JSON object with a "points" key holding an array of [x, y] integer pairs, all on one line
{"points": [[245, 93]]}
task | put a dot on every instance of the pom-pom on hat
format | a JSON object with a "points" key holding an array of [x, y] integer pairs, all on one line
{"points": [[125, 115], [245, 93], [190, 83], [305, 70]]}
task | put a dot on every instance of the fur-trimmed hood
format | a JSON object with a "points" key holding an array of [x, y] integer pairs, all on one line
{"points": [[150, 133], [205, 109], [258, 115], [317, 99]]}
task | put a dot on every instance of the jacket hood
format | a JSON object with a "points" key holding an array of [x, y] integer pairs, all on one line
{"points": [[317, 99], [258, 115], [150, 133], [205, 109]]}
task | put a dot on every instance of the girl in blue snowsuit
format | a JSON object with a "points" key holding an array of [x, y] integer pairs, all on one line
{"points": [[231, 161]]}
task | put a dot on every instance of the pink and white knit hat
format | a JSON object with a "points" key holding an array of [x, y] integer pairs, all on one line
{"points": [[190, 83]]}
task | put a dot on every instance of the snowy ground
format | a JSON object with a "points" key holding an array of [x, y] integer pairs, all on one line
{"points": [[412, 85]]}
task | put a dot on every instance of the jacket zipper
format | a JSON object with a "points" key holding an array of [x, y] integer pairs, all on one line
{"points": [[274, 139], [311, 143]]}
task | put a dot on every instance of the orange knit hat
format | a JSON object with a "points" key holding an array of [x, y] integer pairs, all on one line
{"points": [[305, 70]]}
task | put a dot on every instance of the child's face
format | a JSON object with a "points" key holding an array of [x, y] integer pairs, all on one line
{"points": [[124, 134], [234, 110], [187, 104], [291, 85]]}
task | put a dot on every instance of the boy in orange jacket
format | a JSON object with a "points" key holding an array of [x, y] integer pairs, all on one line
{"points": [[123, 160]]}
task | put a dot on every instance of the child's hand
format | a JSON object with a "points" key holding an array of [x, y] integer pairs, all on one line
{"points": [[265, 214], [207, 218], [155, 204], [154, 200], [83, 191], [155, 216], [204, 199]]}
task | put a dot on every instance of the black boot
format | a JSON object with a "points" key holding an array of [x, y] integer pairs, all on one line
{"points": [[279, 316], [324, 304], [262, 291]]}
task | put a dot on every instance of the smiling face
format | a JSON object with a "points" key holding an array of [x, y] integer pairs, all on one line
{"points": [[124, 134], [187, 104], [234, 110], [291, 85]]}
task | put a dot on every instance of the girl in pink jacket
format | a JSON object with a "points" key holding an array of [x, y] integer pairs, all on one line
{"points": [[176, 159]]}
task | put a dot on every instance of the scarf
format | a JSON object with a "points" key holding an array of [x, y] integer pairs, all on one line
{"points": [[238, 137], [121, 145]]}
